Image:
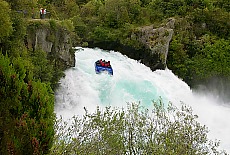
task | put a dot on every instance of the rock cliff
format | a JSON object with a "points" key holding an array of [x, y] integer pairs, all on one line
{"points": [[153, 44], [156, 42], [56, 42], [149, 44]]}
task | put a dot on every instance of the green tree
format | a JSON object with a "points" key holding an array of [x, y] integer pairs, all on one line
{"points": [[82, 2], [43, 69], [91, 8], [15, 44], [26, 111], [63, 9], [213, 59], [6, 24], [182, 48], [115, 13], [23, 7], [225, 4]]}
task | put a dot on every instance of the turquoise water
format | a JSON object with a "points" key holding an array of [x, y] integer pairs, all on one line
{"points": [[133, 82]]}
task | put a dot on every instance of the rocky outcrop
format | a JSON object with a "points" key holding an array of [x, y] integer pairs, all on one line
{"points": [[57, 43], [147, 44], [156, 42]]}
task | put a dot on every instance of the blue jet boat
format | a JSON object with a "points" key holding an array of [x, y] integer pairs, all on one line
{"points": [[103, 66]]}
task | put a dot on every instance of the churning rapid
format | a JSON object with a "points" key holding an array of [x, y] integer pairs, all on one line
{"points": [[134, 82]]}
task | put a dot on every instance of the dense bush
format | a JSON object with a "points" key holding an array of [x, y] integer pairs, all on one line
{"points": [[26, 111], [6, 24]]}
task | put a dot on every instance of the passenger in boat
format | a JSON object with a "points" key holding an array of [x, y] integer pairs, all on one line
{"points": [[100, 62], [103, 63], [107, 64]]}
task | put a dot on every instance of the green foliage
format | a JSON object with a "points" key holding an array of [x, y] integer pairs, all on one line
{"points": [[134, 131], [6, 23], [68, 24], [213, 20], [127, 39], [198, 61], [43, 69], [26, 111], [19, 25], [214, 58], [24, 68], [134, 10], [42, 2], [116, 14], [24, 7], [145, 2], [169, 8], [91, 8], [62, 10], [101, 34], [79, 26], [14, 44], [162, 9], [224, 4], [177, 59], [81, 2], [53, 25], [181, 49]]}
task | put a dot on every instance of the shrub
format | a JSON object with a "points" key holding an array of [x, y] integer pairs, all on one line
{"points": [[26, 111], [134, 131]]}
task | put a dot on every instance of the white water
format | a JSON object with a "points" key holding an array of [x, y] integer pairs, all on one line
{"points": [[134, 82]]}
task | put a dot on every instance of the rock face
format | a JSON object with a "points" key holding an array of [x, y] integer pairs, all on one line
{"points": [[56, 43], [156, 41], [151, 45]]}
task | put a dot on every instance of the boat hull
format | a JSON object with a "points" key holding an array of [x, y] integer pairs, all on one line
{"points": [[100, 69]]}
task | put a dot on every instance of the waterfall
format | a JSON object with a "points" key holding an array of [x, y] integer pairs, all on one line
{"points": [[134, 82]]}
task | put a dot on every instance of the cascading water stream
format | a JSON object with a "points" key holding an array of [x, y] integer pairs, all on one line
{"points": [[134, 82]]}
